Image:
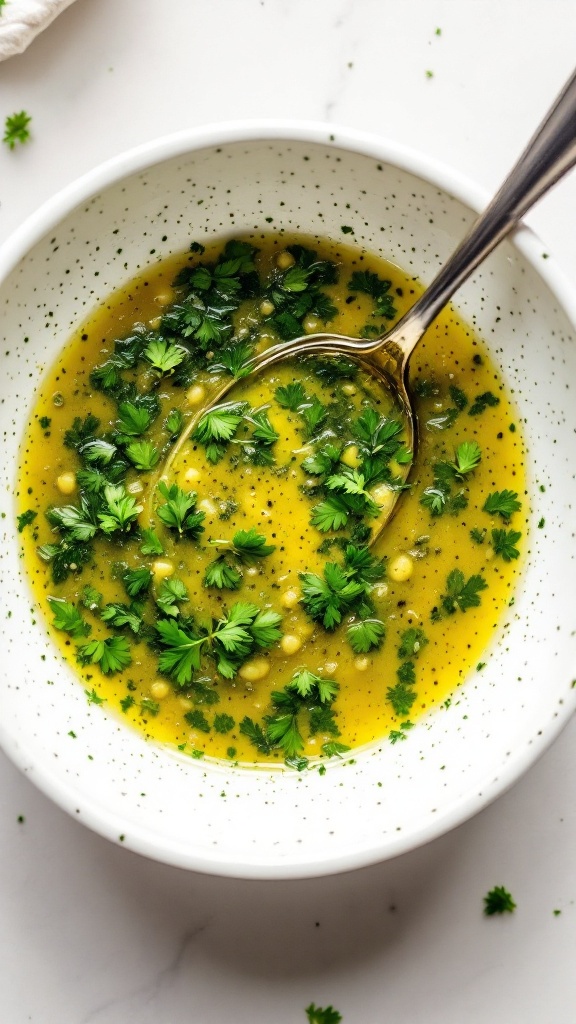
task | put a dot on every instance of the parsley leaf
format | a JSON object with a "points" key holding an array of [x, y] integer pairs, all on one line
{"points": [[81, 430], [468, 455], [458, 396], [323, 460], [163, 356], [461, 593], [16, 129], [254, 732], [282, 730], [78, 524], [178, 512], [326, 598], [401, 696], [307, 684], [137, 581], [502, 503], [66, 557], [249, 545], [246, 547], [314, 413], [412, 642], [434, 499], [220, 422], [97, 450], [143, 455], [119, 615], [377, 288], [378, 434], [292, 396], [112, 654], [174, 423], [91, 598], [223, 723], [222, 575], [133, 419], [331, 514], [197, 719], [171, 593], [68, 618], [504, 543], [483, 402], [181, 656], [318, 1015], [120, 510], [242, 630], [498, 901], [151, 543], [364, 635], [305, 692]]}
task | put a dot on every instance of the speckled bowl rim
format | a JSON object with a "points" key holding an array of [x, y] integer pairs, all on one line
{"points": [[460, 187]]}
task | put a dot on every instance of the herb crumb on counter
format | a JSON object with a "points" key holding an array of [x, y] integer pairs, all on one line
{"points": [[16, 128], [498, 901], [326, 1015]]}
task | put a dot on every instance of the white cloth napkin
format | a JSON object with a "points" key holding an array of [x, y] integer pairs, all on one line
{"points": [[22, 20]]}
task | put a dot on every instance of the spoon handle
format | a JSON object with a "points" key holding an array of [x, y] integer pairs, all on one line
{"points": [[548, 156]]}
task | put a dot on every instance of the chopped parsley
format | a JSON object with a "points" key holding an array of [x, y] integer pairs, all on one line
{"points": [[25, 519], [498, 901], [156, 587], [342, 588], [482, 402], [306, 698], [16, 130], [319, 1015], [461, 593], [240, 632], [246, 548], [377, 288]]}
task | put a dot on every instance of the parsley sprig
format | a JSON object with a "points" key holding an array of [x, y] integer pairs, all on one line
{"points": [[230, 641], [220, 425], [378, 289], [440, 497], [178, 512], [297, 292], [342, 588], [461, 593], [111, 654], [307, 697], [246, 548], [67, 618]]}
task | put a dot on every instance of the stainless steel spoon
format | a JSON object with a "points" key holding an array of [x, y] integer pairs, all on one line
{"points": [[549, 155]]}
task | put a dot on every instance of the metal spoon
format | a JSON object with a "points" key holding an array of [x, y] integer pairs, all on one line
{"points": [[549, 155]]}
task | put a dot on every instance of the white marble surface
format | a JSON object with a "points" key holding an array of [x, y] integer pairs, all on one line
{"points": [[91, 934]]}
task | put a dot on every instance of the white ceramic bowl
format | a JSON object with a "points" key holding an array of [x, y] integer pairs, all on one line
{"points": [[96, 235]]}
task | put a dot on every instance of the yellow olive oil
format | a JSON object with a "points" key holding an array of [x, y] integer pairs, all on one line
{"points": [[435, 620]]}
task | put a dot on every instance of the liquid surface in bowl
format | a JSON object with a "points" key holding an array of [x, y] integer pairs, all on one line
{"points": [[220, 592]]}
